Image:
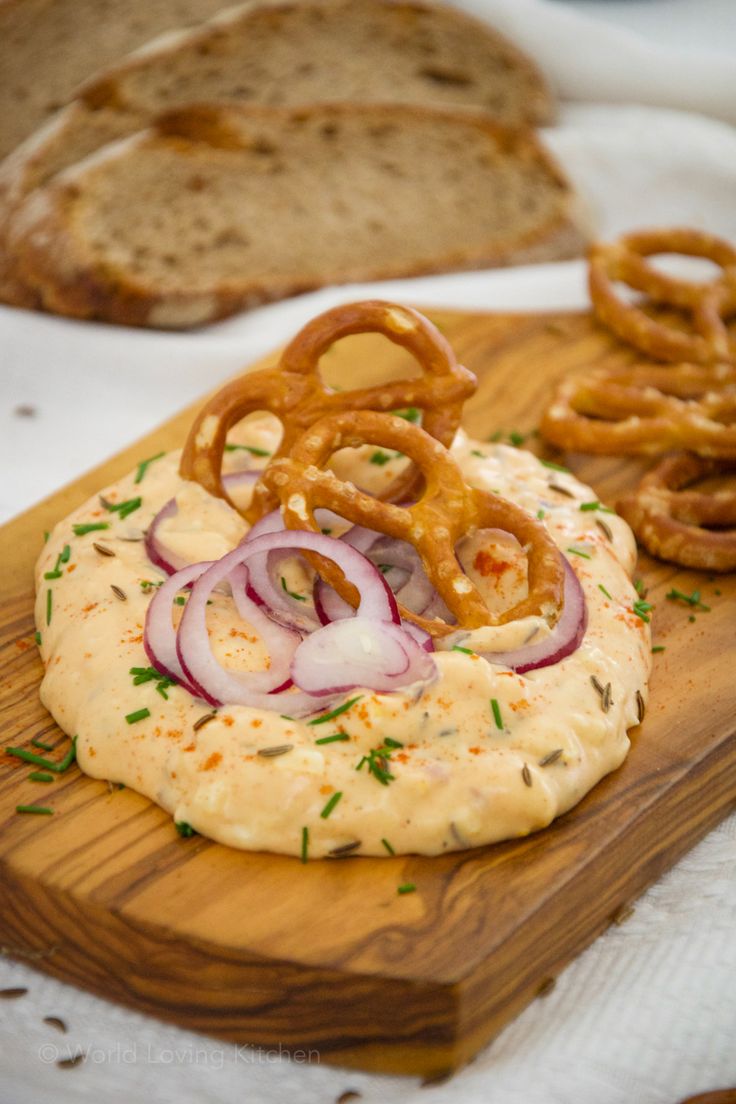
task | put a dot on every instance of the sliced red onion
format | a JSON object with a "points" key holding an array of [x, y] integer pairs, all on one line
{"points": [[564, 639], [159, 635], [156, 550], [241, 688], [422, 637], [360, 652]]}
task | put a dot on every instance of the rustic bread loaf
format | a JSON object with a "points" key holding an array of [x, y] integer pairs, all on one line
{"points": [[48, 47], [219, 208], [292, 52]]}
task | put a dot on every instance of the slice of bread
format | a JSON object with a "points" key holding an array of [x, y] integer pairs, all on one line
{"points": [[220, 208], [48, 47], [292, 52]]}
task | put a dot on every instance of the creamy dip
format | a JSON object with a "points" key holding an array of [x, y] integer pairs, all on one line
{"points": [[484, 755]]}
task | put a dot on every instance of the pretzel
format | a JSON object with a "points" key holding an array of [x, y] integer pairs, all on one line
{"points": [[295, 393], [691, 528], [646, 410], [447, 510], [707, 303]]}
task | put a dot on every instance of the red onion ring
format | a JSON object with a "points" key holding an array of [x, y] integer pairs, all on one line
{"points": [[194, 652], [158, 554], [564, 639], [360, 652], [159, 635]]}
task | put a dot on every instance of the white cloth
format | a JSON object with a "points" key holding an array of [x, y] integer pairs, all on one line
{"points": [[648, 1014]]}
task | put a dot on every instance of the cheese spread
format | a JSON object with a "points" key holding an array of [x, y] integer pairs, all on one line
{"points": [[479, 755]]}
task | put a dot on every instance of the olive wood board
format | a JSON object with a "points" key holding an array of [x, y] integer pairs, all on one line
{"points": [[327, 956]]}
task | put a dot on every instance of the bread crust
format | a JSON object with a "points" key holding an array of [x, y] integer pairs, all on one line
{"points": [[68, 279]]}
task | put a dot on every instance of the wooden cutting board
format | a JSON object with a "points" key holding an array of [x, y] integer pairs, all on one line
{"points": [[327, 957]]}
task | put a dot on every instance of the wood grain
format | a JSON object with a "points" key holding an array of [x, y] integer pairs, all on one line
{"points": [[328, 957]]}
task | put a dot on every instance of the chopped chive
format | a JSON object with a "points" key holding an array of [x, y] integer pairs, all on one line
{"points": [[49, 605], [603, 590], [411, 414], [476, 452], [408, 887], [91, 527], [65, 554], [639, 587], [658, 648], [291, 593], [46, 536], [139, 715], [390, 743], [496, 436], [326, 532], [331, 805], [335, 712], [41, 776], [584, 506], [123, 509], [40, 761], [150, 674], [540, 515], [578, 552], [641, 609], [388, 847], [380, 457], [305, 844], [378, 765], [55, 574], [43, 810], [252, 449], [143, 466], [496, 709], [37, 638], [180, 600], [185, 830], [690, 599], [458, 648], [555, 467], [332, 739], [40, 744], [517, 439]]}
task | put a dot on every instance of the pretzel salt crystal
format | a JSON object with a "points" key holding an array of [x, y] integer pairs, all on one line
{"points": [[447, 510], [708, 303], [646, 410], [295, 393], [688, 527]]}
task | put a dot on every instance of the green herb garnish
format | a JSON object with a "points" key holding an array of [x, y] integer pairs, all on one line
{"points": [[150, 674], [91, 527], [37, 638], [587, 506], [335, 712], [291, 593], [641, 609], [496, 710], [49, 605], [579, 552], [62, 558], [305, 844], [139, 715], [540, 515], [34, 809], [517, 439], [332, 739], [411, 414], [555, 467], [458, 648], [185, 830], [603, 590], [48, 764], [477, 452], [147, 585], [40, 744], [41, 776], [180, 600], [380, 457], [143, 466], [689, 599], [388, 847], [658, 648], [123, 509], [252, 449], [408, 887], [390, 743], [378, 764], [331, 805]]}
